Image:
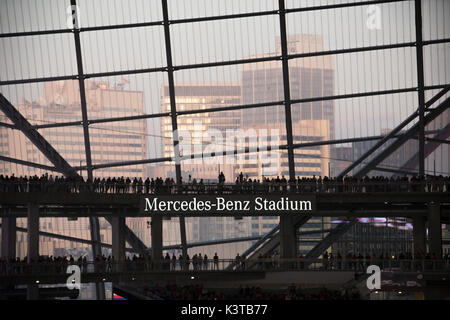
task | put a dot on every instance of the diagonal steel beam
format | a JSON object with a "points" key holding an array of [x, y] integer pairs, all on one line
{"points": [[334, 235], [61, 237], [414, 130], [61, 165], [412, 162], [437, 140], [36, 138], [173, 113], [7, 125], [298, 221], [396, 171], [394, 132], [269, 241], [168, 247], [28, 163], [342, 228]]}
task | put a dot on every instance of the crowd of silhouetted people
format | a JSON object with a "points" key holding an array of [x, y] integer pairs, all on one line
{"points": [[242, 184], [174, 291], [404, 261], [322, 294], [199, 262], [198, 292], [44, 264], [351, 261], [103, 264]]}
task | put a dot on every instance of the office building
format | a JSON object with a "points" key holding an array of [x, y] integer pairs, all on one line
{"points": [[110, 142]]}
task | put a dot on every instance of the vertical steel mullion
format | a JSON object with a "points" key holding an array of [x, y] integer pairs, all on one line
{"points": [[93, 221], [287, 92], [173, 114], [288, 238], [87, 144], [420, 85]]}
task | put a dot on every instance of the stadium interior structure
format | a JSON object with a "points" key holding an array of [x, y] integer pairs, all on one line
{"points": [[104, 102]]}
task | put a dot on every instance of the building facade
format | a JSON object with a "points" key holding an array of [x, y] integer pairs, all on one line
{"points": [[308, 78], [199, 128], [311, 121], [110, 142]]}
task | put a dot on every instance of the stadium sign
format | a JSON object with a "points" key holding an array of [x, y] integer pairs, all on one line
{"points": [[241, 204]]}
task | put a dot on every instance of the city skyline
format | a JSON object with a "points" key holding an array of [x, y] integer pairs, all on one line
{"points": [[60, 101]]}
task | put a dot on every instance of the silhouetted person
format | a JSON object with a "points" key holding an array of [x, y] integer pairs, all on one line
{"points": [[216, 261]]}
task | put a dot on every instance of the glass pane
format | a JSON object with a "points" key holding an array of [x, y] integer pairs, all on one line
{"points": [[350, 27], [204, 88], [123, 49], [181, 9], [123, 96], [353, 73], [435, 24], [357, 117], [114, 12], [224, 40], [29, 15], [37, 57], [119, 142], [436, 64]]}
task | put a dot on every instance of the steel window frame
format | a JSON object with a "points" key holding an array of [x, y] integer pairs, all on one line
{"points": [[170, 69]]}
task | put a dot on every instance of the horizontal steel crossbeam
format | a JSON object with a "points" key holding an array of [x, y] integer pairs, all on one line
{"points": [[29, 164]]}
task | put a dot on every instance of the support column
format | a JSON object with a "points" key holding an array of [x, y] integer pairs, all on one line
{"points": [[434, 230], [419, 237], [33, 233], [420, 85], [33, 246], [173, 115], [287, 237], [9, 238], [287, 231], [93, 221], [157, 239], [118, 242]]}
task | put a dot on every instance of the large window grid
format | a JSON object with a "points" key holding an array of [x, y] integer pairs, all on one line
{"points": [[308, 101], [307, 110]]}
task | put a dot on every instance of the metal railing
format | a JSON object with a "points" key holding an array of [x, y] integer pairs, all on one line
{"points": [[263, 264], [302, 187]]}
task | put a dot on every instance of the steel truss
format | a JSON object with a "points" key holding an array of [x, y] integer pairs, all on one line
{"points": [[342, 228], [433, 143]]}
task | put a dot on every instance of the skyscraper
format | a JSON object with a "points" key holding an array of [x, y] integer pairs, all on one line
{"points": [[202, 96], [308, 77], [199, 96], [311, 122]]}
